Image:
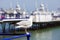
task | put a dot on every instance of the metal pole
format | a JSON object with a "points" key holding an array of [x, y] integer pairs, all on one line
{"points": [[28, 36]]}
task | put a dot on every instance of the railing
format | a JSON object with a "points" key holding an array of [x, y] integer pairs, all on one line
{"points": [[15, 37], [14, 16]]}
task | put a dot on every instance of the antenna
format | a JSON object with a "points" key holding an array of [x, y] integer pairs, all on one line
{"points": [[18, 6], [36, 4], [46, 7], [24, 6], [11, 5], [17, 3]]}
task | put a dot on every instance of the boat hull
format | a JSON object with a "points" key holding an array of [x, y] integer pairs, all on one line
{"points": [[38, 25]]}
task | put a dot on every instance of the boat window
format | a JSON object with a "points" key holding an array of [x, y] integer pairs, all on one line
{"points": [[18, 15], [3, 14], [27, 15], [11, 14]]}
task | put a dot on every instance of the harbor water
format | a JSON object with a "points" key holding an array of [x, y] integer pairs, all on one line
{"points": [[52, 33]]}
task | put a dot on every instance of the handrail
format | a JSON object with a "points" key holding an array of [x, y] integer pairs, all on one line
{"points": [[21, 35]]}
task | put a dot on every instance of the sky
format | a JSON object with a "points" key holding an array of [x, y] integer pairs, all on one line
{"points": [[30, 5]]}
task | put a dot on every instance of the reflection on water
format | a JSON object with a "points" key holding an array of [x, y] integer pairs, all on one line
{"points": [[43, 34]]}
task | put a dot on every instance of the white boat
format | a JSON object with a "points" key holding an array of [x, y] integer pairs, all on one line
{"points": [[43, 17]]}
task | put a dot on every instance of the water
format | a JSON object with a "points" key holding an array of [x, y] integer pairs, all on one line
{"points": [[42, 34]]}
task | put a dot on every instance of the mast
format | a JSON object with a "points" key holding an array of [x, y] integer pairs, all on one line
{"points": [[24, 10], [11, 6], [18, 6]]}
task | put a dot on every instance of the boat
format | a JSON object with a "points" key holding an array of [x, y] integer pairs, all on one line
{"points": [[44, 18], [12, 16]]}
